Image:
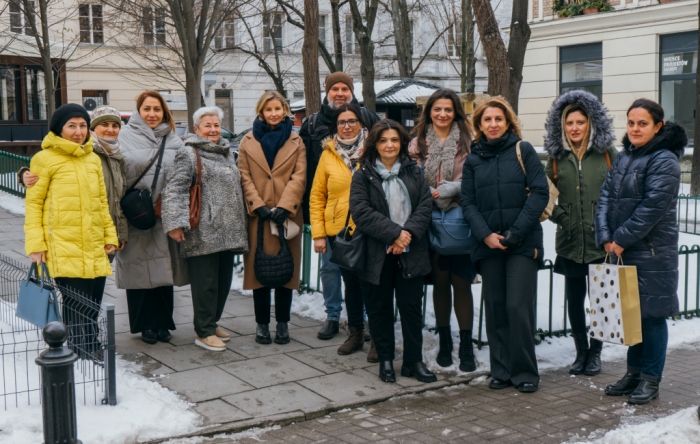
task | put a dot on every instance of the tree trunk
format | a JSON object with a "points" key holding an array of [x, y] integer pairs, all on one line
{"points": [[471, 56], [367, 74], [193, 94], [402, 37], [337, 36], [695, 167], [519, 37], [309, 54], [494, 48]]}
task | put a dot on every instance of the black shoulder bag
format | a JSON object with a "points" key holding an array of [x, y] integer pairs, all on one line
{"points": [[137, 205], [273, 271], [349, 249]]}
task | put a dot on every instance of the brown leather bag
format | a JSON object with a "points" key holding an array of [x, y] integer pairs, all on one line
{"points": [[195, 196]]}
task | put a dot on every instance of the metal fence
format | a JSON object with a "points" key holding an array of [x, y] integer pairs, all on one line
{"points": [[9, 165], [91, 335]]}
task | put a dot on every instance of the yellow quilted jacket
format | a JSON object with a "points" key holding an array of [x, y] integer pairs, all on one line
{"points": [[67, 214], [329, 200]]}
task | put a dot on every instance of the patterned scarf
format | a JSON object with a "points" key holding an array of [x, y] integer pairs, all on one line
{"points": [[110, 147], [395, 191], [440, 154], [350, 150]]}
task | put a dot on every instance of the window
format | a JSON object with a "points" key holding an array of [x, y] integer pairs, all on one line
{"points": [[90, 17], [454, 37], [92, 98], [37, 108], [581, 67], [298, 94], [153, 26], [322, 29], [679, 61], [9, 89], [19, 22], [272, 31], [351, 46], [225, 37]]}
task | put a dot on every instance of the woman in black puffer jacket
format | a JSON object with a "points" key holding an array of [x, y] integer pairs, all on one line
{"points": [[391, 205], [506, 242], [636, 219]]}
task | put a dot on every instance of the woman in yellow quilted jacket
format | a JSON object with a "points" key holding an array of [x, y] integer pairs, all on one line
{"points": [[67, 222], [329, 203]]}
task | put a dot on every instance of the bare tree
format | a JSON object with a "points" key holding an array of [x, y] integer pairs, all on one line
{"points": [[403, 37], [695, 173], [363, 25], [467, 56], [505, 65], [309, 53]]}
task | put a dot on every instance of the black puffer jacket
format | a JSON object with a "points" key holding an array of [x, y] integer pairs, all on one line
{"points": [[324, 126], [370, 212], [494, 198], [637, 210]]}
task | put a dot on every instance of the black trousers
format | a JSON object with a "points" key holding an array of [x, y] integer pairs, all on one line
{"points": [[509, 289], [150, 309], [283, 304], [354, 302], [575, 290], [210, 280], [81, 317], [379, 301]]}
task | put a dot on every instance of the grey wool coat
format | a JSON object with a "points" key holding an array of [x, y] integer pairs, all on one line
{"points": [[150, 258], [222, 222]]}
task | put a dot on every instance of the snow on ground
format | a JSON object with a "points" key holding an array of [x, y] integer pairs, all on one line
{"points": [[254, 433], [12, 203]]}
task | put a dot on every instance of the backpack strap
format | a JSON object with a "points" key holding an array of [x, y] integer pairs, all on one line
{"points": [[554, 170], [520, 157], [607, 158], [312, 123]]}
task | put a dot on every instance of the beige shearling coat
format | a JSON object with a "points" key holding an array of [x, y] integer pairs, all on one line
{"points": [[283, 187]]}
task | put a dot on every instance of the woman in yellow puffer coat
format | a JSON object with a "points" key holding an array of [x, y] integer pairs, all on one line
{"points": [[329, 203], [67, 222]]}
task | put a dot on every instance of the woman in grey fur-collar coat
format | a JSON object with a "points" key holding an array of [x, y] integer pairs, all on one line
{"points": [[209, 247], [579, 142]]}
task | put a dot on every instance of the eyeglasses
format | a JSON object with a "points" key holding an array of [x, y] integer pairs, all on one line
{"points": [[350, 122]]}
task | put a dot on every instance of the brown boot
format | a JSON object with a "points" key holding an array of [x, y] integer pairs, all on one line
{"points": [[372, 356], [353, 343]]}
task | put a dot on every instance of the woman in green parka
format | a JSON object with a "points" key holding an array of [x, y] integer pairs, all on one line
{"points": [[579, 142]]}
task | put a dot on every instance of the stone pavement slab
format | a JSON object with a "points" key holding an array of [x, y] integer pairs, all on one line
{"points": [[246, 346], [328, 360], [282, 398], [205, 383], [270, 370]]}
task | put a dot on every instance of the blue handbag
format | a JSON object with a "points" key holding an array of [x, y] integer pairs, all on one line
{"points": [[449, 233], [37, 302]]}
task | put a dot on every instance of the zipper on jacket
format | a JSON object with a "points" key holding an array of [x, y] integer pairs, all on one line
{"points": [[650, 245], [636, 190], [498, 191], [594, 203], [569, 220]]}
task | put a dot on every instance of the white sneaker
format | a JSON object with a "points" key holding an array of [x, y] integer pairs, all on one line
{"points": [[210, 343]]}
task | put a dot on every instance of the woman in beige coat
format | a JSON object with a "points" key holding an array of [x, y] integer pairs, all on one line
{"points": [[272, 162]]}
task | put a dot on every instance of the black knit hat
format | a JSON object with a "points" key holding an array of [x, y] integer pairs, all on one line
{"points": [[64, 113]]}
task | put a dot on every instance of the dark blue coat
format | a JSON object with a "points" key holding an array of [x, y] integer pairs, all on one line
{"points": [[637, 210], [494, 196]]}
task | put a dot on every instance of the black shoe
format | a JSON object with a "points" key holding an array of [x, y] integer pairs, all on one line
{"points": [[444, 356], [368, 336], [624, 386], [386, 371], [466, 352], [499, 384], [645, 392], [282, 333], [579, 365], [527, 387], [329, 329], [262, 334], [593, 366], [149, 336], [419, 371], [163, 335]]}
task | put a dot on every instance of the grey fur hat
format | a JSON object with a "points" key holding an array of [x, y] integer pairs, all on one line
{"points": [[602, 134]]}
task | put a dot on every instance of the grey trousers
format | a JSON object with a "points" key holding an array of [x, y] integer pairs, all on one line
{"points": [[509, 289]]}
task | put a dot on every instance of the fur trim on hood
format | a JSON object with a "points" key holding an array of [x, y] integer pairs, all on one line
{"points": [[670, 137], [602, 134]]}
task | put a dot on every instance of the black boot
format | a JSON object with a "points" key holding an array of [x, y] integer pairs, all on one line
{"points": [[419, 371], [328, 330], [386, 371], [149, 336], [282, 333], [466, 351], [262, 334], [579, 365], [645, 392], [624, 386], [593, 365], [444, 356]]}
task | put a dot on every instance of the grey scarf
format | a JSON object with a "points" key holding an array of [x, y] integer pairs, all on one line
{"points": [[110, 147], [440, 153], [395, 191]]}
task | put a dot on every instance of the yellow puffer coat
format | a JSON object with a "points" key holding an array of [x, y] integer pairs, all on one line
{"points": [[329, 200], [67, 214]]}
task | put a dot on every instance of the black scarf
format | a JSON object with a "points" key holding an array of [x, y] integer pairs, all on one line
{"points": [[271, 140]]}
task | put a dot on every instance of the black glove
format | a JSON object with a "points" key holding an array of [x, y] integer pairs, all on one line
{"points": [[279, 215], [510, 239], [263, 213]]}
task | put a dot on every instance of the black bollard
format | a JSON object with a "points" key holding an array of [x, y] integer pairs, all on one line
{"points": [[58, 387]]}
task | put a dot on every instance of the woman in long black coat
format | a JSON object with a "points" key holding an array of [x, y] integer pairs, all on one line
{"points": [[636, 219], [506, 241], [391, 205]]}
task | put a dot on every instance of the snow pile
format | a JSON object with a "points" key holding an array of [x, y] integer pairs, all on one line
{"points": [[11, 203], [680, 428]]}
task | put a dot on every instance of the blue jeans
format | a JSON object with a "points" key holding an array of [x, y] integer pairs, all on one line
{"points": [[649, 357], [331, 281]]}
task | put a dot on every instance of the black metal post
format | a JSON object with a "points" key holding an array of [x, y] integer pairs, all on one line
{"points": [[58, 387], [110, 357]]}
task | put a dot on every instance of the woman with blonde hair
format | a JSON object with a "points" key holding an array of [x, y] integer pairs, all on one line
{"points": [[272, 162], [504, 192]]}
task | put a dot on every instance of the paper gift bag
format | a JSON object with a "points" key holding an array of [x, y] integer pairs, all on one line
{"points": [[616, 315]]}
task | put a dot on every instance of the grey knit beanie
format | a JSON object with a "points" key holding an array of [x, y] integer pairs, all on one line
{"points": [[105, 113]]}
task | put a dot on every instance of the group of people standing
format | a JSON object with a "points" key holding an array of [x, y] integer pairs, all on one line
{"points": [[348, 170]]}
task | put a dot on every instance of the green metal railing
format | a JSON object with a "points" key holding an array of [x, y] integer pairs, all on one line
{"points": [[9, 165], [688, 212]]}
